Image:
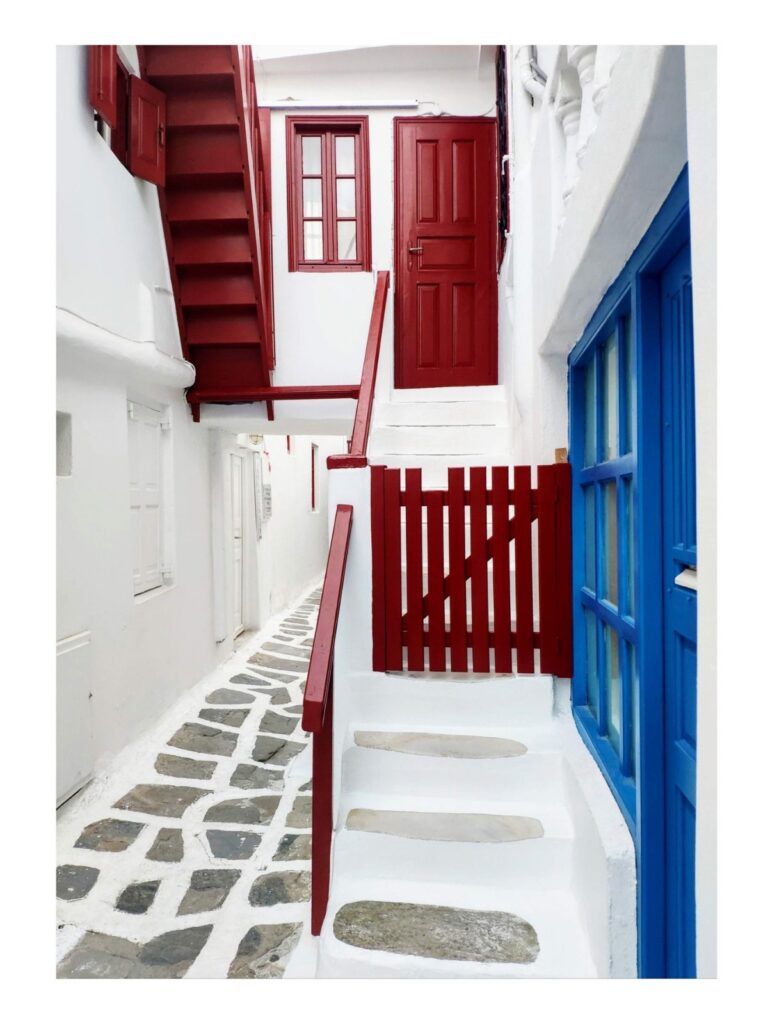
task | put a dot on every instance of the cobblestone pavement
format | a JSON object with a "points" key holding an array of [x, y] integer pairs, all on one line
{"points": [[192, 857]]}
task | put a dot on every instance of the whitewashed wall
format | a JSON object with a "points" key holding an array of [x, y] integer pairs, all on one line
{"points": [[123, 660], [322, 319], [564, 254]]}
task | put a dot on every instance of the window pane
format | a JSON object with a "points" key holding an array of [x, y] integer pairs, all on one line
{"points": [[629, 370], [634, 705], [609, 567], [611, 450], [345, 154], [311, 154], [312, 200], [590, 413], [590, 538], [346, 245], [345, 197], [313, 239], [630, 527], [614, 686], [592, 675]]}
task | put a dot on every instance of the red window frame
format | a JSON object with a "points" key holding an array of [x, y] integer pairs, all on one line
{"points": [[328, 129]]}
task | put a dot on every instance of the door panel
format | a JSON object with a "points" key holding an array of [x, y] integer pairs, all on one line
{"points": [[680, 554], [446, 245], [148, 117]]}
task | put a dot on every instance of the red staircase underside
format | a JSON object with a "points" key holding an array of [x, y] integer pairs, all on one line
{"points": [[207, 219]]}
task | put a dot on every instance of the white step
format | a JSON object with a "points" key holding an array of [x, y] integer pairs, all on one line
{"points": [[553, 913], [434, 467], [487, 393], [449, 440], [445, 826], [429, 744], [440, 413]]}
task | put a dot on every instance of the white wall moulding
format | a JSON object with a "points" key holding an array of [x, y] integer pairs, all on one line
{"points": [[142, 359], [583, 59]]}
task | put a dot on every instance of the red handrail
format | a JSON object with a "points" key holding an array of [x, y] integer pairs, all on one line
{"points": [[317, 716], [359, 441]]}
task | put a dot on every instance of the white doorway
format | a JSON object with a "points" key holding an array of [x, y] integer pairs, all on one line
{"points": [[237, 541]]}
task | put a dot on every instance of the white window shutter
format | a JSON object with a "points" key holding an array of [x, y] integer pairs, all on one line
{"points": [[145, 462]]}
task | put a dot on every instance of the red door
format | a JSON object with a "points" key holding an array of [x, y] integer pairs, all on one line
{"points": [[446, 223]]}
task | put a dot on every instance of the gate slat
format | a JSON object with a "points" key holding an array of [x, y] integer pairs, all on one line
{"points": [[501, 570], [392, 574], [524, 568], [414, 570], [478, 535], [435, 576], [547, 603], [456, 555], [378, 604], [563, 530]]}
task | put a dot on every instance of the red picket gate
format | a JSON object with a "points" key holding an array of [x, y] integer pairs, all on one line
{"points": [[440, 596]]}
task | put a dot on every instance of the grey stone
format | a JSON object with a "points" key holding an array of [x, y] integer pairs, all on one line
{"points": [[280, 887], [294, 846], [306, 787], [301, 813], [164, 800], [171, 954], [74, 881], [293, 709], [445, 826], [137, 898], [294, 631], [432, 744], [167, 847], [283, 639], [110, 835], [224, 696], [246, 810], [278, 694], [234, 718], [443, 933], [273, 750], [270, 661], [99, 956], [287, 649], [278, 677], [105, 956], [263, 951], [232, 845], [204, 739], [184, 767], [242, 679], [251, 776], [208, 890], [272, 722], [307, 643]]}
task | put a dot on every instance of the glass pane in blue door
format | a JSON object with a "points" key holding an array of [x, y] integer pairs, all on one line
{"points": [[614, 686], [611, 404], [609, 554], [590, 413], [592, 674], [590, 537]]}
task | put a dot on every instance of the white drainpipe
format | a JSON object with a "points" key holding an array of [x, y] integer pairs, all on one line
{"points": [[532, 78]]}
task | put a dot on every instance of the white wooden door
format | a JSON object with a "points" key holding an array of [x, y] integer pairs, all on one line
{"points": [[237, 540]]}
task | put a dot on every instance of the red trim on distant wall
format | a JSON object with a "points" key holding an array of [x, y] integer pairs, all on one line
{"points": [[327, 129]]}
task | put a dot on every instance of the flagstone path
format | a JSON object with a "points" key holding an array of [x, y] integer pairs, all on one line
{"points": [[191, 858]]}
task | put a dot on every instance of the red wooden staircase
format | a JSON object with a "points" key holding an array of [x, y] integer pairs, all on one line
{"points": [[216, 212]]}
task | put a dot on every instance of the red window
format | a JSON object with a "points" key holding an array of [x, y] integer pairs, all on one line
{"points": [[314, 477], [328, 193]]}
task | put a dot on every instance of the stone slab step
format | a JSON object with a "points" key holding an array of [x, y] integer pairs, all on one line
{"points": [[440, 744], [465, 413], [439, 439], [440, 933], [445, 827], [564, 945]]}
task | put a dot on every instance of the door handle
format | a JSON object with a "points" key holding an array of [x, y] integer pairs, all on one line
{"points": [[415, 249]]}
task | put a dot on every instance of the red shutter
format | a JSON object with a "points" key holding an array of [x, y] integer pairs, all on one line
{"points": [[146, 150], [102, 82]]}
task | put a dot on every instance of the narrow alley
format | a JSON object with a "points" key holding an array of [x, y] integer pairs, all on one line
{"points": [[192, 857]]}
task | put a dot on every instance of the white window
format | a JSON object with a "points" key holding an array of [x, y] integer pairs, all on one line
{"points": [[148, 497]]}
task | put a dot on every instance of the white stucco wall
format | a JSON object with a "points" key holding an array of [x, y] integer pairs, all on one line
{"points": [[701, 106], [322, 319], [110, 253]]}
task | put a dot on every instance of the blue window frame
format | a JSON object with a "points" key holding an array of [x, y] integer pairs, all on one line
{"points": [[616, 444], [603, 457]]}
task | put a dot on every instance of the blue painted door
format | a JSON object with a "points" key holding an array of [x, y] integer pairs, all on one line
{"points": [[680, 609]]}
